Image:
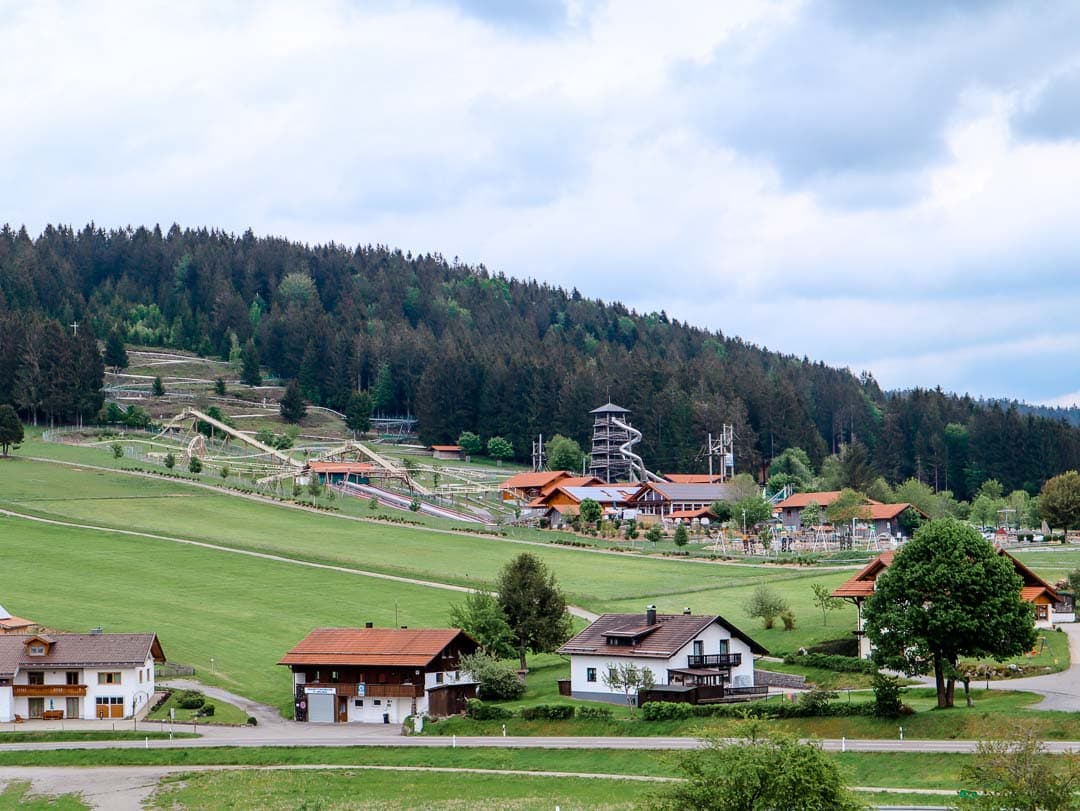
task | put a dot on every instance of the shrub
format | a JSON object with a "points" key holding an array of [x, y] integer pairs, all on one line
{"points": [[195, 465], [887, 702], [814, 703], [117, 450], [594, 713], [789, 620], [190, 700], [666, 711], [170, 460], [206, 710], [252, 721], [497, 679], [848, 646], [766, 604], [548, 712], [479, 711]]}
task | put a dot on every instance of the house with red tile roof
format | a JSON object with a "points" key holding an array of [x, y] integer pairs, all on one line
{"points": [[693, 658], [10, 624], [87, 676], [379, 675], [452, 452], [1047, 602], [527, 486]]}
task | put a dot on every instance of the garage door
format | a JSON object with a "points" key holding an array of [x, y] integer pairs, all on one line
{"points": [[321, 708]]}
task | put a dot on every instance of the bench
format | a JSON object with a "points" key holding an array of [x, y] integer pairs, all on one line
{"points": [[52, 715]]}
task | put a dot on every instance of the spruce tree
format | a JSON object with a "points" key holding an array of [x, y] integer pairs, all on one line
{"points": [[292, 404], [115, 354], [250, 375]]}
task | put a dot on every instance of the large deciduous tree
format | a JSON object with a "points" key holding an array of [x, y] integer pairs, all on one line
{"points": [[1060, 501], [757, 773], [482, 618], [534, 605], [947, 594], [564, 453]]}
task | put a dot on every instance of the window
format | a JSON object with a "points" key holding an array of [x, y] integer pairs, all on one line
{"points": [[590, 674], [359, 702], [35, 677], [37, 650], [699, 648], [377, 702], [438, 678], [108, 678], [72, 677], [723, 646], [333, 675], [140, 677]]}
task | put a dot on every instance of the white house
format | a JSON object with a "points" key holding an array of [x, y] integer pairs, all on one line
{"points": [[53, 676], [379, 675], [692, 658]]}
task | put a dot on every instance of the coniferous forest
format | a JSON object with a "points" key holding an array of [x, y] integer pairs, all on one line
{"points": [[463, 348]]}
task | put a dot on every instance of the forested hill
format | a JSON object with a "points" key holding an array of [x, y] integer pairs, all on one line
{"points": [[466, 349]]}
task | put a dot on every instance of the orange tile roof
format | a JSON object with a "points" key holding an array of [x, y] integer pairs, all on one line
{"points": [[533, 479], [9, 623], [341, 467], [1030, 593], [888, 512], [447, 448], [571, 481], [701, 512], [797, 501], [691, 478], [366, 647]]}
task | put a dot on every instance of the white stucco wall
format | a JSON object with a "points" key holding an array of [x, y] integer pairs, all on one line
{"points": [[6, 712], [710, 638], [136, 694]]}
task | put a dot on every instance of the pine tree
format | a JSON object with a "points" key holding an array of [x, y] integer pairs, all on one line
{"points": [[11, 429], [158, 388], [115, 354], [250, 375], [358, 412], [292, 404]]}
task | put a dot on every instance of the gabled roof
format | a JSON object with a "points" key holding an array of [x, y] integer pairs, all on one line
{"points": [[373, 647], [862, 584], [659, 641], [700, 512], [610, 408], [79, 650], [889, 512], [692, 478], [673, 491], [796, 501], [570, 481], [524, 481]]}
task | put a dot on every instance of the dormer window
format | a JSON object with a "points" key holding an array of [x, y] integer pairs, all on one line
{"points": [[37, 650]]}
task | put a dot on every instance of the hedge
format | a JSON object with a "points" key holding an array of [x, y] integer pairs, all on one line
{"points": [[547, 712], [826, 661], [478, 710]]}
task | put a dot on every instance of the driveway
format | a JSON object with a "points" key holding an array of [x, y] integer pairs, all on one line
{"points": [[1060, 691]]}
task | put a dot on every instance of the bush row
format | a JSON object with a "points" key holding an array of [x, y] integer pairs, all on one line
{"points": [[828, 661], [480, 711], [670, 711]]}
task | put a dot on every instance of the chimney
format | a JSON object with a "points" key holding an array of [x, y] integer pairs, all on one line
{"points": [[369, 624], [404, 627], [650, 615], [686, 611]]}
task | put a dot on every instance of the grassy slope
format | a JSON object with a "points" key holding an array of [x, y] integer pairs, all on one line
{"points": [[243, 612]]}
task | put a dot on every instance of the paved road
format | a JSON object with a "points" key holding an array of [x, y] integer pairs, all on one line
{"points": [[1060, 691]]}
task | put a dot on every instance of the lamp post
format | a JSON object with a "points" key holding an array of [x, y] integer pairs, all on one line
{"points": [[744, 522]]}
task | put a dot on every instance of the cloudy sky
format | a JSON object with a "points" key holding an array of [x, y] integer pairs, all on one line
{"points": [[884, 185]]}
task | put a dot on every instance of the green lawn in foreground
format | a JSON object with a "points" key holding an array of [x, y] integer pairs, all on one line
{"points": [[242, 611], [383, 790]]}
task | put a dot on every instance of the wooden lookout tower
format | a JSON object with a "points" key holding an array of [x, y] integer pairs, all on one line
{"points": [[610, 434]]}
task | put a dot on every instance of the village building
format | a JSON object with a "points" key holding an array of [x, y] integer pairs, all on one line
{"points": [[693, 478], [524, 487], [379, 675], [1049, 605], [886, 518], [693, 658], [791, 508], [452, 452], [10, 624], [564, 501], [659, 501], [338, 472], [56, 676]]}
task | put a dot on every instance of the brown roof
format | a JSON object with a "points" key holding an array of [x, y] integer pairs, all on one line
{"points": [[372, 647], [11, 623], [700, 512], [889, 512], [447, 448], [692, 478], [797, 501], [80, 650], [571, 481], [533, 479], [670, 633], [862, 584]]}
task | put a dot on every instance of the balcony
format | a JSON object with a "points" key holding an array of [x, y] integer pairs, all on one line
{"points": [[372, 690], [48, 690], [718, 660]]}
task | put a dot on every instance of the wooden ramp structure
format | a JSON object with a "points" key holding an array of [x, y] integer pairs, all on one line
{"points": [[195, 416]]}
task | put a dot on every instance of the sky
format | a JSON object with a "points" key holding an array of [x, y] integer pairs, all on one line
{"points": [[887, 186]]}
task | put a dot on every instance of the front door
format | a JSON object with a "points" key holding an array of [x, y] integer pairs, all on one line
{"points": [[72, 709], [343, 709]]}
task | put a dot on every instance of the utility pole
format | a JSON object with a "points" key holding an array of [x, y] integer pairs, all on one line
{"points": [[538, 454], [723, 447]]}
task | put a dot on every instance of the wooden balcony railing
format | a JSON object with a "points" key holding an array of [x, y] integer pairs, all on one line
{"points": [[48, 690], [714, 660], [373, 690]]}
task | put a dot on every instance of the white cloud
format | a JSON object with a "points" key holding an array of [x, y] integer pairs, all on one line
{"points": [[576, 151]]}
